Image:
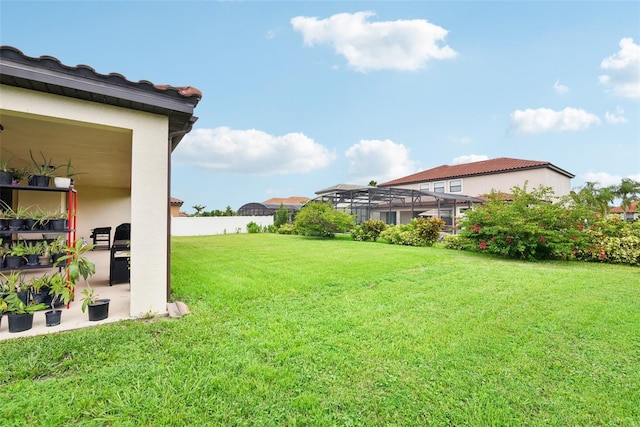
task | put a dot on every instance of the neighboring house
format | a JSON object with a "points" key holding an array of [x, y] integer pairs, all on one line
{"points": [[475, 180], [175, 205], [270, 206], [120, 133], [632, 211]]}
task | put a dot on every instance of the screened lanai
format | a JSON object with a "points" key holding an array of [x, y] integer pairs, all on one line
{"points": [[395, 205]]}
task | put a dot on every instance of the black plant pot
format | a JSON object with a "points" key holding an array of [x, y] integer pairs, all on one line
{"points": [[33, 260], [31, 224], [20, 322], [41, 297], [24, 297], [38, 180], [99, 310], [53, 317], [13, 261], [16, 224], [58, 224], [6, 178]]}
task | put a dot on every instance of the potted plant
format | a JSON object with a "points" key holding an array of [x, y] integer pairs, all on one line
{"points": [[80, 266], [15, 255], [60, 291], [58, 221], [45, 255], [41, 171], [15, 216], [32, 252], [40, 288], [66, 181], [6, 176], [19, 174], [56, 249], [20, 314]]}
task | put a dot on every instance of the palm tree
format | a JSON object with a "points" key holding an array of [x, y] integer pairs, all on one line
{"points": [[627, 192], [594, 197], [199, 209]]}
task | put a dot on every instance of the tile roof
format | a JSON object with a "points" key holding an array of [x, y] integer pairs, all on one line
{"points": [[175, 202], [633, 207], [485, 167], [293, 200], [47, 74]]}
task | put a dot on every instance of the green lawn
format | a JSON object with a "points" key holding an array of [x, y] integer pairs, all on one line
{"points": [[291, 331]]}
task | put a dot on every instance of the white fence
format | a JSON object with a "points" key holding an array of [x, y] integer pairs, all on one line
{"points": [[208, 225]]}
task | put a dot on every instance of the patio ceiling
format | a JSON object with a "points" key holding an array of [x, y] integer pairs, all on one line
{"points": [[105, 162]]}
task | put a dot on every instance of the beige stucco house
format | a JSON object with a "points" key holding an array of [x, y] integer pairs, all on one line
{"points": [[119, 134], [445, 191]]}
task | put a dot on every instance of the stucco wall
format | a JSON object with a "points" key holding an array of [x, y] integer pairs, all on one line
{"points": [[149, 184], [210, 225]]}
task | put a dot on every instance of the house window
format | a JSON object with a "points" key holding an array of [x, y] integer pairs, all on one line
{"points": [[424, 186], [390, 217], [455, 186], [438, 187]]}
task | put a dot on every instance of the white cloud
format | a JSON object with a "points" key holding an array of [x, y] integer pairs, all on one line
{"points": [[624, 65], [615, 118], [251, 151], [469, 159], [395, 45], [603, 178], [379, 161], [546, 120], [560, 89]]}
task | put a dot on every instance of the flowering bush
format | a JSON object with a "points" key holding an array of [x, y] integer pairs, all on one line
{"points": [[419, 232], [368, 231], [532, 226], [611, 241]]}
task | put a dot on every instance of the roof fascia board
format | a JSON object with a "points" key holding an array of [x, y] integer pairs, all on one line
{"points": [[92, 86]]}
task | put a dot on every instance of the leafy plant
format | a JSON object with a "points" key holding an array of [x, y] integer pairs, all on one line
{"points": [[322, 220], [20, 174], [252, 227], [16, 306], [369, 230], [60, 290], [44, 168], [281, 216], [69, 170], [77, 265], [4, 165], [14, 282]]}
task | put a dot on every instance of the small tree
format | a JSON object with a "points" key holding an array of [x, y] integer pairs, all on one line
{"points": [[322, 220], [281, 216], [627, 191], [198, 209]]}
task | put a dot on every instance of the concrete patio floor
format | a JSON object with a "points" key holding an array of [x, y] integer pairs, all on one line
{"points": [[74, 318]]}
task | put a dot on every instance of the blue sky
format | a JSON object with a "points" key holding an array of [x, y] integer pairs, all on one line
{"points": [[299, 96]]}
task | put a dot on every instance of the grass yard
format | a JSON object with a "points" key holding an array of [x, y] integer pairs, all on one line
{"points": [[290, 331]]}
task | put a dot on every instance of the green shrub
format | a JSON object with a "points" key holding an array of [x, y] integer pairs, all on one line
{"points": [[368, 231], [322, 220], [281, 216], [455, 241], [531, 226], [252, 227], [419, 232], [287, 228], [612, 241]]}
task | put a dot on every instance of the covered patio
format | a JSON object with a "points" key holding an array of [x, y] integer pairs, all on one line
{"points": [[389, 203]]}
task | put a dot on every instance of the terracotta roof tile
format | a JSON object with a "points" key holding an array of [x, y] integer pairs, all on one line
{"points": [[293, 200], [485, 167], [174, 201], [633, 207]]}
